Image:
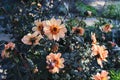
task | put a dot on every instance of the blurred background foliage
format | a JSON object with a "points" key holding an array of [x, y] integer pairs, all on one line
{"points": [[17, 18], [112, 11], [115, 74], [81, 7]]}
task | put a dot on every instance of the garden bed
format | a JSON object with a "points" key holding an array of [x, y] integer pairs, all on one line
{"points": [[47, 40]]}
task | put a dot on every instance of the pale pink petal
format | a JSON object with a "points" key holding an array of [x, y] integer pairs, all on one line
{"points": [[56, 70], [34, 28], [40, 36], [58, 21], [62, 28], [95, 49], [25, 40], [47, 30], [97, 76], [51, 55], [3, 54], [50, 36], [58, 55], [37, 22], [104, 73], [35, 34], [6, 46], [53, 21], [48, 23], [105, 60], [100, 62], [61, 34], [44, 23], [56, 37], [62, 60], [61, 66]]}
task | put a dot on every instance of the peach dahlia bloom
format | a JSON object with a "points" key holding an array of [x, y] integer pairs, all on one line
{"points": [[100, 52], [54, 29], [8, 47], [38, 27], [78, 30], [103, 53], [93, 37], [101, 76], [31, 39], [95, 49], [54, 62], [107, 28]]}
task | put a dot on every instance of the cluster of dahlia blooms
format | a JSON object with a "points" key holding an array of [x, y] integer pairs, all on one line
{"points": [[54, 30], [101, 53], [101, 76]]}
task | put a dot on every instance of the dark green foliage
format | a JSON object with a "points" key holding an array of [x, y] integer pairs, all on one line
{"points": [[81, 7], [112, 11], [114, 74]]}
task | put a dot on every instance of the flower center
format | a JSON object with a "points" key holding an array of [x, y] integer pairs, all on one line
{"points": [[107, 27], [8, 50], [32, 40], [104, 78], [56, 62], [54, 29], [98, 56], [51, 65], [40, 27], [77, 31]]}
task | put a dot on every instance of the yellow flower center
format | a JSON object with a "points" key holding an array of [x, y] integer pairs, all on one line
{"points": [[54, 29], [104, 78]]}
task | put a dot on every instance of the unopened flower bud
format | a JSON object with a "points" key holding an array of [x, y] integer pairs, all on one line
{"points": [[55, 47], [39, 5], [88, 13], [35, 70]]}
